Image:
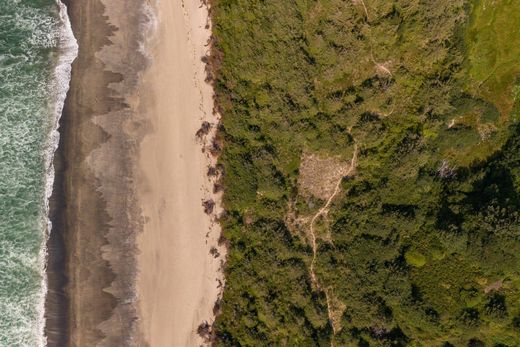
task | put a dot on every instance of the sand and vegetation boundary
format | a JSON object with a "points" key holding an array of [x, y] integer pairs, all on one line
{"points": [[180, 259]]}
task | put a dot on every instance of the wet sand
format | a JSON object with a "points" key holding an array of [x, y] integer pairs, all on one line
{"points": [[92, 249]]}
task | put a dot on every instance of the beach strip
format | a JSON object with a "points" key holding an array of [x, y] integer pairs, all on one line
{"points": [[179, 256], [134, 254]]}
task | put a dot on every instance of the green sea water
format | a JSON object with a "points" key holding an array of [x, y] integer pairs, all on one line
{"points": [[36, 49]]}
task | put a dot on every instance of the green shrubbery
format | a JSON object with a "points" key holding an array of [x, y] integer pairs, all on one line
{"points": [[425, 244]]}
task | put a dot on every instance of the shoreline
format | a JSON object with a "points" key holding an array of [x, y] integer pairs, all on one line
{"points": [[56, 300], [93, 211], [53, 313]]}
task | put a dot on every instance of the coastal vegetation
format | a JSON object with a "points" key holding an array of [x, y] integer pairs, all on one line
{"points": [[412, 107]]}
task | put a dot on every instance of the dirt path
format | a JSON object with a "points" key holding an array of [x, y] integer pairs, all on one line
{"points": [[324, 210]]}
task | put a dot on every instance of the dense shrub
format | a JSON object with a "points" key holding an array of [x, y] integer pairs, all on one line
{"points": [[424, 245]]}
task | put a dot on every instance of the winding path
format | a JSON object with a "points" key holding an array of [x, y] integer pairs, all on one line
{"points": [[324, 210]]}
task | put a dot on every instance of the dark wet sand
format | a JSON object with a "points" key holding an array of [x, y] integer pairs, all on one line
{"points": [[91, 267]]}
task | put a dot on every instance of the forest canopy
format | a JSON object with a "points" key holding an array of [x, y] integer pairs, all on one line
{"points": [[371, 159]]}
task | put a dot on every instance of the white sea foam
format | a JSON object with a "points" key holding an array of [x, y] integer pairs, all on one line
{"points": [[68, 51], [148, 27]]}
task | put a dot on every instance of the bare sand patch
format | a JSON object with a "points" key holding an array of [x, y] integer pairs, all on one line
{"points": [[319, 175]]}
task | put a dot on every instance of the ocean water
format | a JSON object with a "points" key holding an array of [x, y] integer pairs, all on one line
{"points": [[36, 50]]}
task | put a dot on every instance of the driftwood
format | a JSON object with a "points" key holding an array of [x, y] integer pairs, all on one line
{"points": [[208, 205], [215, 171], [212, 171], [205, 331], [204, 129], [445, 171], [216, 308], [216, 147], [214, 252], [217, 187]]}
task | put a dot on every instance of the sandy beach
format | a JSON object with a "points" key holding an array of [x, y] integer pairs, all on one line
{"points": [[179, 276], [133, 257]]}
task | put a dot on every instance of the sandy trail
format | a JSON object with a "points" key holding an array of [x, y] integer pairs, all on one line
{"points": [[178, 282], [323, 212]]}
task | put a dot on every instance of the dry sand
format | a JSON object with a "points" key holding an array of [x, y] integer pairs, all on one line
{"points": [[178, 281]]}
